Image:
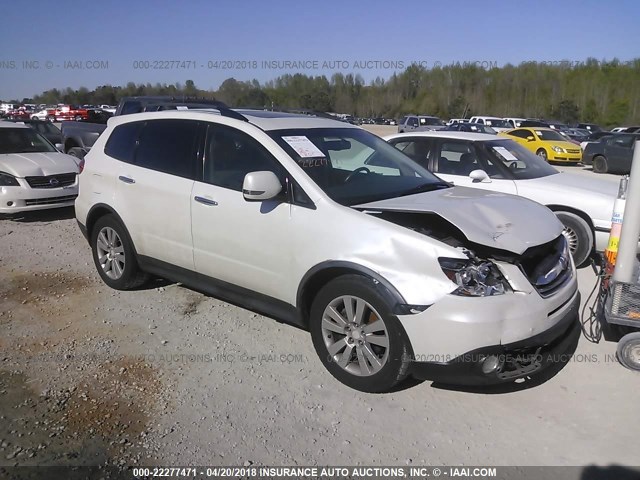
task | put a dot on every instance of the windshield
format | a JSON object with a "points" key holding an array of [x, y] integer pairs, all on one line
{"points": [[23, 140], [353, 166], [430, 121], [550, 136], [497, 122], [521, 163]]}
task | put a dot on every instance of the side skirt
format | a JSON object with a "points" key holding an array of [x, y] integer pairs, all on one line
{"points": [[239, 296]]}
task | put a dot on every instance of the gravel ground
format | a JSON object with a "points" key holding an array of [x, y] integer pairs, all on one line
{"points": [[165, 375]]}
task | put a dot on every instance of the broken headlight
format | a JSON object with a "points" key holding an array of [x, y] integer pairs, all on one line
{"points": [[475, 278]]}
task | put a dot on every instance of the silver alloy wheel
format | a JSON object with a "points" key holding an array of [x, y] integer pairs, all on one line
{"points": [[110, 253], [572, 239], [355, 336]]}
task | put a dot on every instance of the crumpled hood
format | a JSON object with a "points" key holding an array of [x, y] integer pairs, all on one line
{"points": [[496, 220], [37, 164]]}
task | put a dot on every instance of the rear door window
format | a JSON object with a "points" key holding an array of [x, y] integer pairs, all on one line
{"points": [[457, 158], [417, 149], [169, 146], [121, 145]]}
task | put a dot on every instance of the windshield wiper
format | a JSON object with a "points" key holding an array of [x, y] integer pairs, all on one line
{"points": [[427, 187]]}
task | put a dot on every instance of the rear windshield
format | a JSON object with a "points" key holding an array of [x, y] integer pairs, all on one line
{"points": [[430, 121], [497, 122]]}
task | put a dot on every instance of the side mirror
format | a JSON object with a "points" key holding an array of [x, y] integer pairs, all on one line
{"points": [[258, 186], [60, 147], [530, 139], [479, 176]]}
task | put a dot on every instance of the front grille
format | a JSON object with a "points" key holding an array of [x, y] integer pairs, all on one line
{"points": [[50, 200], [52, 181], [546, 267], [569, 150]]}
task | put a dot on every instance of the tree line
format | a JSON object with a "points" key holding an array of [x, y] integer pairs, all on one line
{"points": [[604, 92]]}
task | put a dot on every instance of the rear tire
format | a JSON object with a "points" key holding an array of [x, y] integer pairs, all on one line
{"points": [[628, 351], [114, 255], [600, 164], [579, 236], [363, 346]]}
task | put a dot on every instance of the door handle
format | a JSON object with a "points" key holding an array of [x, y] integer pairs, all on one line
{"points": [[126, 179], [205, 201]]}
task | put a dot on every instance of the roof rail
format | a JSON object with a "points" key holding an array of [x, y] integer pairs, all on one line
{"points": [[156, 103], [300, 111], [227, 112]]}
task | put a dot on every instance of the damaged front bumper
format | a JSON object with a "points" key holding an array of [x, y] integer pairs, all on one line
{"points": [[505, 363]]}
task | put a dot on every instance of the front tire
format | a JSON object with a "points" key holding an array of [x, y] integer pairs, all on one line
{"points": [[579, 236], [628, 351], [114, 255], [359, 341], [600, 164], [542, 153]]}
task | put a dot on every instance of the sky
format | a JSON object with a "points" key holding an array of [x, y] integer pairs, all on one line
{"points": [[79, 43]]}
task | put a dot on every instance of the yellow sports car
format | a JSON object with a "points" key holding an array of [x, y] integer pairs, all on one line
{"points": [[546, 143]]}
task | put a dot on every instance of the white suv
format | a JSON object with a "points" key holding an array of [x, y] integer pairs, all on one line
{"points": [[498, 124], [322, 224]]}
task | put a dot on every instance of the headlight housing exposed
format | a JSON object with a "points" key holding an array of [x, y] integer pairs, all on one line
{"points": [[474, 277], [7, 180], [558, 149]]}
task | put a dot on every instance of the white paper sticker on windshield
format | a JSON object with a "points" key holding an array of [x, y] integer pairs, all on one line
{"points": [[539, 133], [182, 107], [303, 146], [506, 154]]}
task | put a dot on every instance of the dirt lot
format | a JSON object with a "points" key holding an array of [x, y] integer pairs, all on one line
{"points": [[165, 375]]}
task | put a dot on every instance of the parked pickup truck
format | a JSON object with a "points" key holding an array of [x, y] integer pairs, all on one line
{"points": [[70, 112], [78, 137]]}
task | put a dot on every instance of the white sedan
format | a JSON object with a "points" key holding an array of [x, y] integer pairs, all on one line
{"points": [[33, 174], [583, 205]]}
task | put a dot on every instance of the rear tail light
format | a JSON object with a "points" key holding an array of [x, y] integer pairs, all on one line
{"points": [[81, 166]]}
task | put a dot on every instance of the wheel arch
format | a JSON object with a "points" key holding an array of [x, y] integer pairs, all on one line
{"points": [[606, 161], [98, 211], [321, 274], [564, 208]]}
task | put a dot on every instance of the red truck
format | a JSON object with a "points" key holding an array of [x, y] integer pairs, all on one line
{"points": [[70, 112], [20, 113]]}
